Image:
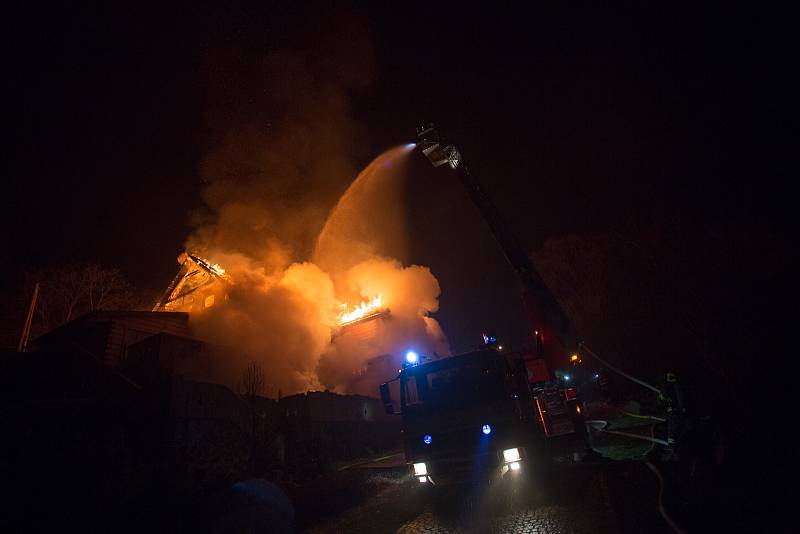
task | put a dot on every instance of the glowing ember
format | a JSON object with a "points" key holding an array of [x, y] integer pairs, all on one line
{"points": [[360, 311], [214, 269]]}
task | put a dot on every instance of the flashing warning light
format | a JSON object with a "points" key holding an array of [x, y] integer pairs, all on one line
{"points": [[487, 429], [573, 358], [412, 357], [578, 409], [427, 439]]}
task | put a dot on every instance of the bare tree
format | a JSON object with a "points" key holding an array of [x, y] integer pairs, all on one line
{"points": [[71, 290], [646, 296], [253, 380], [106, 288], [617, 290]]}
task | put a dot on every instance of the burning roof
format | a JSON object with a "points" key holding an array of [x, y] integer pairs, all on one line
{"points": [[361, 312], [197, 285], [198, 281]]}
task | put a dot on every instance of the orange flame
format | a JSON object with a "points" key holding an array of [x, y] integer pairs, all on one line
{"points": [[360, 311]]}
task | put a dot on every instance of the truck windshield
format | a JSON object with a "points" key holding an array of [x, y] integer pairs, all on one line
{"points": [[467, 382]]}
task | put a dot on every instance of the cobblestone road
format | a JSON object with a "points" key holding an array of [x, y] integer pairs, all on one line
{"points": [[599, 497], [578, 499], [578, 502]]}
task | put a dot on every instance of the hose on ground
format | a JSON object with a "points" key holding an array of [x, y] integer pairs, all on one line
{"points": [[650, 417], [653, 444], [661, 508], [600, 426], [637, 436]]}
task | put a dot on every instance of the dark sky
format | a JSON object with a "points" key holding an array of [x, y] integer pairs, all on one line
{"points": [[575, 121]]}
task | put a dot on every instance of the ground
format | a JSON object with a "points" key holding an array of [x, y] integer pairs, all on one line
{"points": [[583, 498], [615, 493]]}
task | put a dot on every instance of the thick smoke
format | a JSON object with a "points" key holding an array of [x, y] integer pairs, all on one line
{"points": [[296, 248], [283, 142], [368, 220], [285, 318], [283, 321], [411, 293]]}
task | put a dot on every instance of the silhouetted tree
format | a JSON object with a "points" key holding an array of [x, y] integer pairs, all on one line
{"points": [[646, 297], [253, 380], [71, 290]]}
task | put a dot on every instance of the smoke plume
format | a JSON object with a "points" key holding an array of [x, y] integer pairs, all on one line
{"points": [[298, 244]]}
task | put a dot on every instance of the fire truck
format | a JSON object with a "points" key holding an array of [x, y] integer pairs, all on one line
{"points": [[475, 417], [489, 413]]}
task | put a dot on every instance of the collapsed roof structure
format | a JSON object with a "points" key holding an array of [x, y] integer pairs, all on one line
{"points": [[199, 284]]}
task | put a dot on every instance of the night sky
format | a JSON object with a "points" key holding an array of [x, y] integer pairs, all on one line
{"points": [[575, 121]]}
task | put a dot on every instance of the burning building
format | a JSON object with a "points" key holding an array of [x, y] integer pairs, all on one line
{"points": [[290, 306], [197, 286], [292, 323], [362, 328]]}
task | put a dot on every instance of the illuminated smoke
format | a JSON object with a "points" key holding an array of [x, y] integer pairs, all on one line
{"points": [[410, 293], [369, 218], [287, 318], [283, 321], [362, 246], [297, 235]]}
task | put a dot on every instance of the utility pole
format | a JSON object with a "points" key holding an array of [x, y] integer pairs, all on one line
{"points": [[26, 329]]}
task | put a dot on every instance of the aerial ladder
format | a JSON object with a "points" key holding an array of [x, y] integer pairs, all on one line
{"points": [[555, 340]]}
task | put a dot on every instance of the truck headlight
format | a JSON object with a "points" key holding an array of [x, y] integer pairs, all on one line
{"points": [[511, 455], [420, 469]]}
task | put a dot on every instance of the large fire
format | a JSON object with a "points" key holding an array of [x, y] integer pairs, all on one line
{"points": [[360, 311], [214, 269], [294, 318]]}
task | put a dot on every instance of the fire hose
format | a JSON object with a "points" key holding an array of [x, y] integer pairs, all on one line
{"points": [[661, 508], [619, 371], [649, 417], [601, 427]]}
